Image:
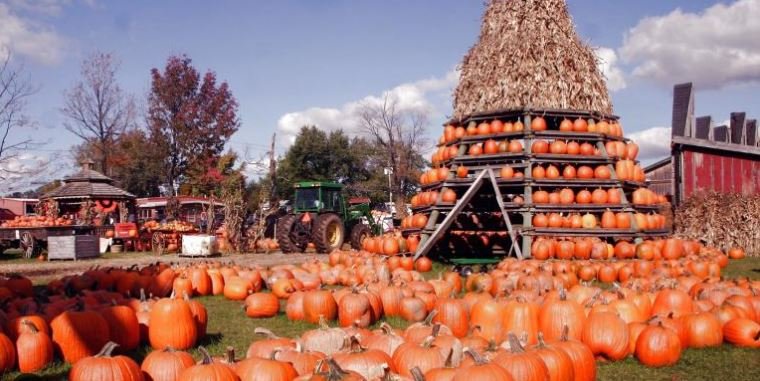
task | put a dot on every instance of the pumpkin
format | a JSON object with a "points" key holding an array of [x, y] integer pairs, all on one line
{"points": [[520, 364], [658, 346], [7, 354], [484, 128], [237, 288], [569, 172], [558, 147], [104, 367], [387, 340], [319, 303], [490, 147], [606, 334], [355, 308], [172, 325], [540, 146], [672, 302], [263, 348], [420, 355], [166, 364], [602, 172], [580, 125], [552, 172], [515, 146], [566, 125], [34, 348], [367, 362], [481, 370], [584, 365], [702, 330], [77, 335], [538, 124], [123, 326], [585, 172], [521, 318], [558, 363], [262, 305], [487, 314], [742, 332], [208, 370], [254, 368], [554, 315]]}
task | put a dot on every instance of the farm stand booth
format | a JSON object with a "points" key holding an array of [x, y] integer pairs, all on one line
{"points": [[72, 218]]}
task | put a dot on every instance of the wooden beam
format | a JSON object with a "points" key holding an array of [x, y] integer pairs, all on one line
{"points": [[720, 134], [737, 127], [703, 127], [720, 146], [750, 133], [425, 246], [505, 215], [683, 109]]}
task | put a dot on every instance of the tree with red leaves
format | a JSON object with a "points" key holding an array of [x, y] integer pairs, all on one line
{"points": [[190, 118]]}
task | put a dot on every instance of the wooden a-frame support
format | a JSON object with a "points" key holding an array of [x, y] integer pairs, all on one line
{"points": [[427, 241]]}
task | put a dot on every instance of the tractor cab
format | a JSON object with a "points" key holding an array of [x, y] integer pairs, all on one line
{"points": [[321, 216]]}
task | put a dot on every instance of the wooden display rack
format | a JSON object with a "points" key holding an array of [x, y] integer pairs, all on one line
{"points": [[484, 200]]}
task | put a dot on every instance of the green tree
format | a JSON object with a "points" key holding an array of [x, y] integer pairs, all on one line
{"points": [[319, 156]]}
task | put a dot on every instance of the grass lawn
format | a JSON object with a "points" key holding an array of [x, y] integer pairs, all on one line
{"points": [[228, 326]]}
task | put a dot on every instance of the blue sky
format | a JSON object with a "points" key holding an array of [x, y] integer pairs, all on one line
{"points": [[290, 62]]}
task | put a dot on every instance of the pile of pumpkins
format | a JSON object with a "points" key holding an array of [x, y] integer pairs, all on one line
{"points": [[530, 319]]}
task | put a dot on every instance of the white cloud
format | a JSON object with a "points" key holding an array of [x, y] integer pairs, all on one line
{"points": [[27, 38], [713, 48], [608, 66], [413, 96], [654, 143], [27, 170]]}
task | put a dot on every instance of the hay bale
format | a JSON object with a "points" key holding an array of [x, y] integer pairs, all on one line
{"points": [[529, 55], [723, 220]]}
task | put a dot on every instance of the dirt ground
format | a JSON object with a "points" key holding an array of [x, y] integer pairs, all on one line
{"points": [[43, 271]]}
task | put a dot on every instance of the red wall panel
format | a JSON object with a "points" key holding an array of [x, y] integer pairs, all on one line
{"points": [[721, 173]]}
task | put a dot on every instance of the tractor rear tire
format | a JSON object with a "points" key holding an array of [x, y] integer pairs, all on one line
{"points": [[358, 234], [284, 227], [328, 233]]}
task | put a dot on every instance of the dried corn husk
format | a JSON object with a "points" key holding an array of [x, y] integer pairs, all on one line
{"points": [[723, 220], [529, 56]]}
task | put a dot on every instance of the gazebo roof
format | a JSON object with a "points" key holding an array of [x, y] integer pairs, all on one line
{"points": [[88, 183]]}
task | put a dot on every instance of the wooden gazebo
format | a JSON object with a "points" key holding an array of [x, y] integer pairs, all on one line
{"points": [[88, 197]]}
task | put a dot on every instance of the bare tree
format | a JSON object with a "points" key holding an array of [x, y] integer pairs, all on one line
{"points": [[98, 110], [15, 89], [399, 135]]}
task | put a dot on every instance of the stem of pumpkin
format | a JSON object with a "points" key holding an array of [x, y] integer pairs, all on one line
{"points": [[514, 343], [757, 337], [143, 299], [323, 322], [562, 294], [334, 372], [429, 318], [386, 328], [263, 331], [230, 352], [30, 326], [428, 342], [417, 374], [565, 333], [273, 355], [541, 342], [206, 356], [479, 360], [107, 349], [449, 363], [436, 329], [355, 346]]}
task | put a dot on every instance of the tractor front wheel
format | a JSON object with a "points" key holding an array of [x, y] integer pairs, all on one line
{"points": [[359, 232], [287, 234], [328, 233]]}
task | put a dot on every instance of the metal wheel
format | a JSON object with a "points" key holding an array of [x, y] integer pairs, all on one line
{"points": [[158, 243], [28, 245]]}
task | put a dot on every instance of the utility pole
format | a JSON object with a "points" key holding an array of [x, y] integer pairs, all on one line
{"points": [[272, 173]]}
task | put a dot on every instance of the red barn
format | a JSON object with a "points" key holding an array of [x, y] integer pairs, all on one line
{"points": [[707, 157]]}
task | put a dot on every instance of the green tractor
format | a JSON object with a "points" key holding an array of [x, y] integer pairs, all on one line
{"points": [[322, 216]]}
